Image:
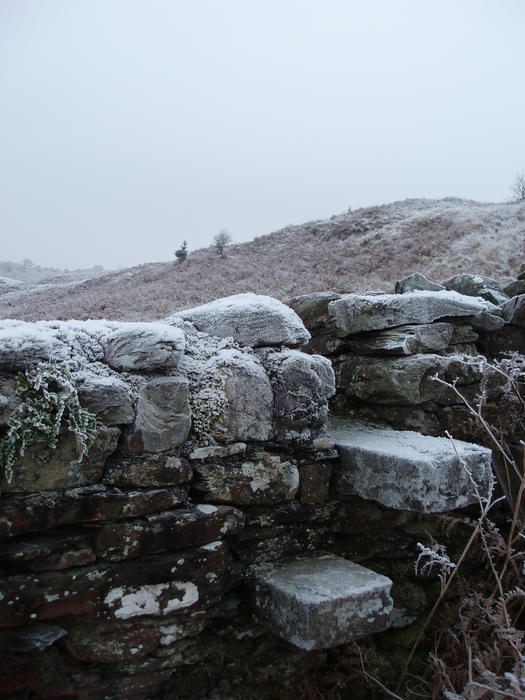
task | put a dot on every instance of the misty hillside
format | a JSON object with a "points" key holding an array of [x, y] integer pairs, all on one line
{"points": [[365, 249]]}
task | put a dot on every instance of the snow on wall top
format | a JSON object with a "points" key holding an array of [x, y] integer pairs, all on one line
{"points": [[122, 346], [250, 319]]}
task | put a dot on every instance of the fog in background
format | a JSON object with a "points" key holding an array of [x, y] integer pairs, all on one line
{"points": [[130, 125]]}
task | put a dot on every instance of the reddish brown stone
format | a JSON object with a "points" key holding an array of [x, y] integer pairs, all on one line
{"points": [[314, 482], [167, 531], [147, 471], [42, 511]]}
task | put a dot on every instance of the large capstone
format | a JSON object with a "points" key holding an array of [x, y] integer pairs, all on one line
{"points": [[408, 471], [359, 313], [143, 346], [322, 601], [250, 319]]}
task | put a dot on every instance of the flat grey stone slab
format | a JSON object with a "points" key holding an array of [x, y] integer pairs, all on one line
{"points": [[323, 601], [406, 470]]}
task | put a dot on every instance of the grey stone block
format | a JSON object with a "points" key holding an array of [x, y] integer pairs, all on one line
{"points": [[322, 601], [406, 470], [143, 346], [416, 282]]}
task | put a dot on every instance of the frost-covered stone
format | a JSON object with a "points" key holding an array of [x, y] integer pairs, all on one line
{"points": [[107, 397], [358, 313], [250, 319], [323, 601], [416, 282], [264, 479], [23, 345], [302, 385], [408, 471], [44, 469], [163, 415], [476, 286], [143, 346], [515, 288], [406, 340], [313, 308]]}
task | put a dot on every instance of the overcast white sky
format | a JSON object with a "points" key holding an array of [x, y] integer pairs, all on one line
{"points": [[127, 126]]}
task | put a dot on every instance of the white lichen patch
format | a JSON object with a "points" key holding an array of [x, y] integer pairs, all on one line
{"points": [[189, 597], [212, 546], [207, 509], [150, 599]]}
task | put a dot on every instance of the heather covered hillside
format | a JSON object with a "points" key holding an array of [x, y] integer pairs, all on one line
{"points": [[364, 249]]}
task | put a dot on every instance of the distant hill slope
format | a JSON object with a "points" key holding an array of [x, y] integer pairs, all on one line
{"points": [[364, 249]]}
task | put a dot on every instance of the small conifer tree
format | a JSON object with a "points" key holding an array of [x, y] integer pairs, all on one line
{"points": [[182, 252]]}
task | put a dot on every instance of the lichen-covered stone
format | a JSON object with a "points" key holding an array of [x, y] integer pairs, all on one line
{"points": [[250, 319], [409, 471], [176, 529], [323, 601], [146, 471], [314, 482], [58, 549], [218, 451], [42, 468], [263, 479], [143, 346], [357, 313], [416, 282], [302, 385], [163, 415], [476, 286]]}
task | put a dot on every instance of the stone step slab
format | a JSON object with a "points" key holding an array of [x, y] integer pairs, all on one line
{"points": [[405, 470], [322, 601]]}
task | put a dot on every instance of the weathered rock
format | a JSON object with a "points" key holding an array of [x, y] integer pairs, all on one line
{"points": [[313, 309], [416, 282], [314, 482], [357, 313], [323, 601], [408, 380], [41, 511], [296, 539], [114, 642], [143, 346], [302, 385], [44, 469], [145, 471], [163, 415], [409, 471], [250, 319], [218, 451], [30, 638], [404, 340], [515, 288], [163, 585], [513, 311], [107, 397], [265, 479], [476, 286], [168, 531], [59, 549]]}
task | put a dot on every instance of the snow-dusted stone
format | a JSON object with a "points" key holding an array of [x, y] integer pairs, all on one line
{"points": [[44, 469], [405, 470], [358, 313], [23, 345], [262, 480], [407, 380], [163, 415], [416, 282], [250, 319], [323, 601], [302, 385], [143, 346], [107, 397], [476, 286]]}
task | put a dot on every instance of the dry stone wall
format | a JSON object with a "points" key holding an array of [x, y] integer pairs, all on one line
{"points": [[210, 537]]}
